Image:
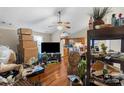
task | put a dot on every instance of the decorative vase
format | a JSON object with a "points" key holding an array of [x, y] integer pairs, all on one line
{"points": [[98, 22]]}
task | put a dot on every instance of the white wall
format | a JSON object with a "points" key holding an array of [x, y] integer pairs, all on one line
{"points": [[46, 36], [55, 37], [9, 38], [81, 33], [115, 45]]}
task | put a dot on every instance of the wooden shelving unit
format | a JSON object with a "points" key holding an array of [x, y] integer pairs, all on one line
{"points": [[110, 33]]}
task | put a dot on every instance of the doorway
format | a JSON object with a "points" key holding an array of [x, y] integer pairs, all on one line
{"points": [[39, 40]]}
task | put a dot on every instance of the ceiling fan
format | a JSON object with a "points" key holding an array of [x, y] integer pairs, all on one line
{"points": [[61, 25]]}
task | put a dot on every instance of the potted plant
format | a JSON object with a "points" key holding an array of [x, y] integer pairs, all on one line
{"points": [[82, 69], [45, 58], [98, 15], [104, 48]]}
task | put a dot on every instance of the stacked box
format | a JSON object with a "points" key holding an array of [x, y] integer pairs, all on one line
{"points": [[27, 48], [24, 31], [27, 43], [25, 37]]}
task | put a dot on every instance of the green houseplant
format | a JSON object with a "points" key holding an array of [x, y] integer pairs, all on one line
{"points": [[104, 48], [45, 58], [82, 68]]}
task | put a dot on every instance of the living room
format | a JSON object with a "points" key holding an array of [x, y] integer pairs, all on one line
{"points": [[65, 43]]}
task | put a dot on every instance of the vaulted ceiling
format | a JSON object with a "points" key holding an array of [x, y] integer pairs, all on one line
{"points": [[39, 18]]}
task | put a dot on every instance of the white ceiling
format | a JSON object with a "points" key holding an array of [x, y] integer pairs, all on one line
{"points": [[39, 18]]}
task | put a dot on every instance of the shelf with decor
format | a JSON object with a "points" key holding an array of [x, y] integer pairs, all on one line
{"points": [[111, 60], [108, 33]]}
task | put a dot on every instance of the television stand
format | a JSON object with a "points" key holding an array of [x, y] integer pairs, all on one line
{"points": [[54, 57]]}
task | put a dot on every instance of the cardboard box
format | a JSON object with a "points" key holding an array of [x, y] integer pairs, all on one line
{"points": [[26, 59], [30, 52], [24, 31], [27, 43], [25, 37]]}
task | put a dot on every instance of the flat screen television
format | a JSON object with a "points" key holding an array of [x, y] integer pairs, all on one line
{"points": [[50, 47]]}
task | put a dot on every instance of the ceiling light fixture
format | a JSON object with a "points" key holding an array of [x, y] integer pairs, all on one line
{"points": [[61, 25], [60, 28]]}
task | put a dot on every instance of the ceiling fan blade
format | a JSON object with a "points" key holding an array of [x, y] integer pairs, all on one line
{"points": [[66, 22], [60, 23], [68, 27], [63, 22]]}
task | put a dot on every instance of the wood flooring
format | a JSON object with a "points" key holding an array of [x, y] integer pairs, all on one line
{"points": [[54, 75]]}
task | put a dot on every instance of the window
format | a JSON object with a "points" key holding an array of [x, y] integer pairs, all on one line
{"points": [[111, 44], [38, 39]]}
